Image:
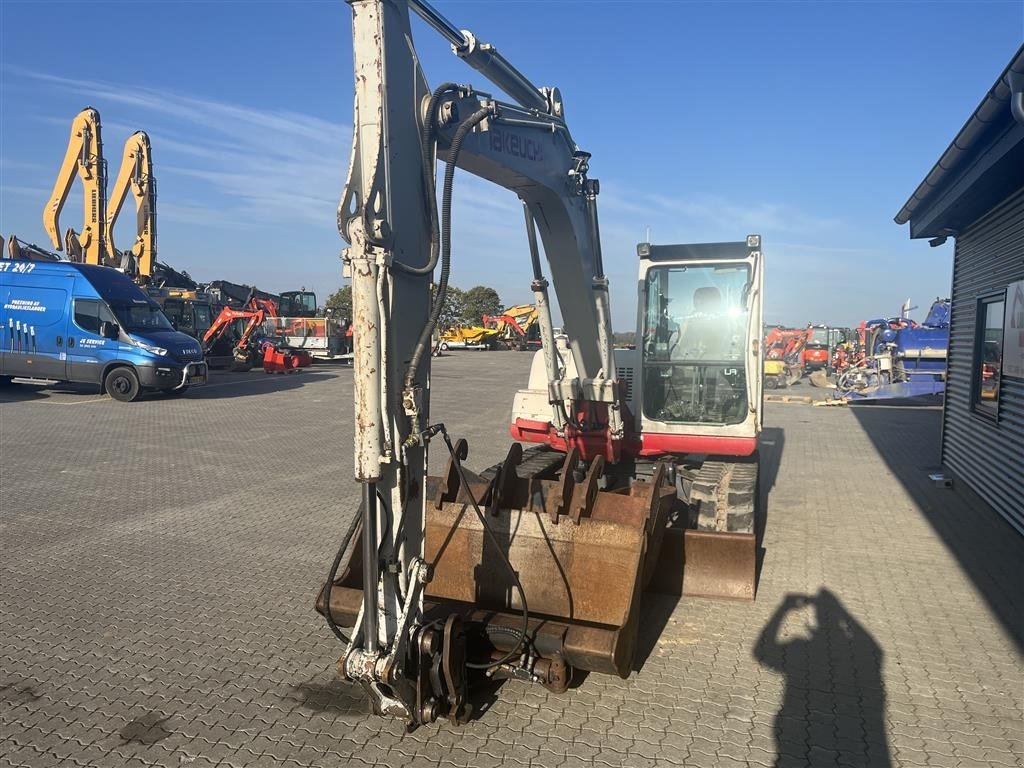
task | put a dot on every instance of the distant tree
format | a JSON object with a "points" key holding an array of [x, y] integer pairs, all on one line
{"points": [[480, 300], [340, 303], [454, 305]]}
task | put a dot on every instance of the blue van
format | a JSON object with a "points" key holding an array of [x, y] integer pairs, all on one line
{"points": [[90, 324]]}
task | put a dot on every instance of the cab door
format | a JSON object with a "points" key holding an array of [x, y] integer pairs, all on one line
{"points": [[88, 351]]}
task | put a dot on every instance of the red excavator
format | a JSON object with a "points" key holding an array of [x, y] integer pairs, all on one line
{"points": [[235, 340], [783, 356]]}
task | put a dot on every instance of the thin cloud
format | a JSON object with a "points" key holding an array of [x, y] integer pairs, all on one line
{"points": [[263, 167]]}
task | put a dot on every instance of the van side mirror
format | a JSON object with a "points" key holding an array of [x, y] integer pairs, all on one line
{"points": [[110, 330]]}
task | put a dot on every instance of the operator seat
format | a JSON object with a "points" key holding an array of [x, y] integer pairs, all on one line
{"points": [[707, 300], [707, 334]]}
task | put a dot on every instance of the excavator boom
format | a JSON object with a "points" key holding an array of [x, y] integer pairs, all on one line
{"points": [[135, 177], [84, 158]]}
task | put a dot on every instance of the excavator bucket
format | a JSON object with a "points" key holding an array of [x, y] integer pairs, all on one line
{"points": [[582, 555]]}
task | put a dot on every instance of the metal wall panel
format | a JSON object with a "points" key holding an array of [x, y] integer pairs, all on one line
{"points": [[986, 455]]}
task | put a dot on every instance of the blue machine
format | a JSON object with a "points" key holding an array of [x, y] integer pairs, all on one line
{"points": [[908, 361], [82, 323]]}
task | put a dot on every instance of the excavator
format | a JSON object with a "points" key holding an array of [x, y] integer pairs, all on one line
{"points": [[189, 308], [643, 473], [517, 326], [135, 176], [783, 356], [233, 340], [468, 337], [84, 158], [241, 338]]}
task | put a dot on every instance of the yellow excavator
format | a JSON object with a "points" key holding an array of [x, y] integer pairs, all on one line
{"points": [[84, 158], [189, 309], [517, 326], [468, 337], [135, 176]]}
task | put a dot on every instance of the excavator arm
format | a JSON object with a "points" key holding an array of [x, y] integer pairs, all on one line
{"points": [[416, 573], [241, 350], [136, 177], [84, 158]]}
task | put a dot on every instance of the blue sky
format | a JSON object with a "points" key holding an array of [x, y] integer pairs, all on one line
{"points": [[810, 123]]}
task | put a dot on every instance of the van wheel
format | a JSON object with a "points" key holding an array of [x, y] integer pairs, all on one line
{"points": [[122, 384]]}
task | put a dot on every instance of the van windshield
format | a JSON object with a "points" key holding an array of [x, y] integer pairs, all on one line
{"points": [[141, 317]]}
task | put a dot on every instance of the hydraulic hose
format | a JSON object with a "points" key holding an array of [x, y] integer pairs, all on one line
{"points": [[446, 243], [345, 541], [430, 194]]}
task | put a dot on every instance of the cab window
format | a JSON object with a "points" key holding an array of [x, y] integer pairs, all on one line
{"points": [[87, 315]]}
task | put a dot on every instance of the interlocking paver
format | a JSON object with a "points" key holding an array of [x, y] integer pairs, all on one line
{"points": [[168, 575]]}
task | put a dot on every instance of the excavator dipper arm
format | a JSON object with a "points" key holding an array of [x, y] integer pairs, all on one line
{"points": [[135, 176], [84, 157]]}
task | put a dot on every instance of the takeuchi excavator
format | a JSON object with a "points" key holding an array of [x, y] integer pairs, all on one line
{"points": [[643, 472]]}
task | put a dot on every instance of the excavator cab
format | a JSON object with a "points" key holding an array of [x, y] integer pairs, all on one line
{"points": [[693, 384], [297, 304], [694, 358]]}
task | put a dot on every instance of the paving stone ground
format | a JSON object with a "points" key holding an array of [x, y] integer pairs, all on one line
{"points": [[159, 563]]}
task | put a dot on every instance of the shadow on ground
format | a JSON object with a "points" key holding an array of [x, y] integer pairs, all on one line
{"points": [[247, 384], [219, 386], [834, 700], [338, 696], [25, 391], [656, 608], [988, 550]]}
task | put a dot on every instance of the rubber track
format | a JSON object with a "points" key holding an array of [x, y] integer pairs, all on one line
{"points": [[537, 460], [724, 494]]}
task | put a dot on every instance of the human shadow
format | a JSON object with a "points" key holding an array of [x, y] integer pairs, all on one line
{"points": [[834, 700]]}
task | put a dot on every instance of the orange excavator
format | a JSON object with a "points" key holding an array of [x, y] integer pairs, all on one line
{"points": [[517, 327], [783, 356], [235, 339]]}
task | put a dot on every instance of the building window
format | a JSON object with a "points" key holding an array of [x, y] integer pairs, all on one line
{"points": [[988, 356]]}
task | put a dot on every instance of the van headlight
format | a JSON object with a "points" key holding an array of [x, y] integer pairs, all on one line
{"points": [[153, 350]]}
